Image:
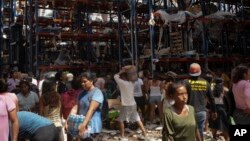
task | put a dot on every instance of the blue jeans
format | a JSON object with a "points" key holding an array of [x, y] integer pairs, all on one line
{"points": [[201, 119]]}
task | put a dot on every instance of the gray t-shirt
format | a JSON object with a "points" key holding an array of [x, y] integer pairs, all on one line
{"points": [[26, 103]]}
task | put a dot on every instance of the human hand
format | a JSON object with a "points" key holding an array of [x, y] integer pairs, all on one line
{"points": [[82, 129], [66, 126]]}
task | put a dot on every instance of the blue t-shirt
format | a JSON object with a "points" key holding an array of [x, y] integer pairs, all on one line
{"points": [[85, 99], [30, 122]]}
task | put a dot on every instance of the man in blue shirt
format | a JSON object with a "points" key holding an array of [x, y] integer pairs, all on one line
{"points": [[36, 128]]}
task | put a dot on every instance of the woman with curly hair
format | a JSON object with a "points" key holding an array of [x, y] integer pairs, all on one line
{"points": [[241, 92], [50, 104]]}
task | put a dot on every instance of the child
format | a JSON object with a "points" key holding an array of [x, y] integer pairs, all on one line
{"points": [[179, 121]]}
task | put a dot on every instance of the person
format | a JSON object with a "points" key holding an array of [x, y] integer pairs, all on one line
{"points": [[220, 123], [128, 111], [139, 96], [27, 99], [35, 127], [8, 112], [62, 80], [13, 81], [199, 91], [50, 104], [170, 78], [241, 91], [89, 105], [100, 82], [69, 99], [179, 122], [225, 77], [155, 95]]}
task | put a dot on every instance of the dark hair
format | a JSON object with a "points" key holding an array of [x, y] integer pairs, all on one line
{"points": [[3, 86], [76, 83], [89, 75], [170, 76], [174, 86], [218, 87], [208, 77], [24, 82], [49, 94], [58, 75], [238, 72]]}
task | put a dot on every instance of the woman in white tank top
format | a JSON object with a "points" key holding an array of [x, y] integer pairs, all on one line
{"points": [[155, 98]]}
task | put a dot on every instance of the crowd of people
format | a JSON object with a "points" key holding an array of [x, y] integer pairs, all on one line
{"points": [[39, 110]]}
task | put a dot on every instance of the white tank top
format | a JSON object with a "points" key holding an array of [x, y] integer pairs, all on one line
{"points": [[155, 90]]}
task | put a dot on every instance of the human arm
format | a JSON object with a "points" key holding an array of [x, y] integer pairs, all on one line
{"points": [[15, 125], [210, 97], [41, 106], [94, 105], [246, 92], [72, 112], [197, 135], [36, 108], [102, 84], [167, 130]]}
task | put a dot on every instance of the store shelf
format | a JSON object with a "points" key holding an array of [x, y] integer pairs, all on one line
{"points": [[93, 67], [78, 36]]}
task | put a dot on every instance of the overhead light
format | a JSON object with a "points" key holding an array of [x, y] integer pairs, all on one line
{"points": [[4, 36], [63, 43]]}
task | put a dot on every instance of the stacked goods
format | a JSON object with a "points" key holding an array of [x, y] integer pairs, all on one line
{"points": [[131, 72], [73, 123], [176, 43]]}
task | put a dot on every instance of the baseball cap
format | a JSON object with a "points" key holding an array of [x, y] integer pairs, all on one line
{"points": [[195, 69]]}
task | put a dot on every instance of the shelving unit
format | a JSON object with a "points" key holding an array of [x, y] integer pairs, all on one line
{"points": [[120, 36], [71, 25]]}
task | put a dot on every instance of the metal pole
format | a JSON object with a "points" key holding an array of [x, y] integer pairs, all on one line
{"points": [[37, 38], [151, 30], [30, 21], [132, 18], [135, 36], [204, 33], [121, 45], [1, 36]]}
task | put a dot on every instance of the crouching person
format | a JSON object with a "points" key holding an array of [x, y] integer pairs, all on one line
{"points": [[36, 128]]}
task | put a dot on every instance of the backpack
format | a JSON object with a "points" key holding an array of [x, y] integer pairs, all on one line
{"points": [[229, 102]]}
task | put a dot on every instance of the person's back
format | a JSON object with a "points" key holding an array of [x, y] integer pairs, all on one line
{"points": [[128, 110], [100, 83], [198, 88], [69, 99], [241, 91], [36, 127], [127, 91], [199, 92], [7, 105]]}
